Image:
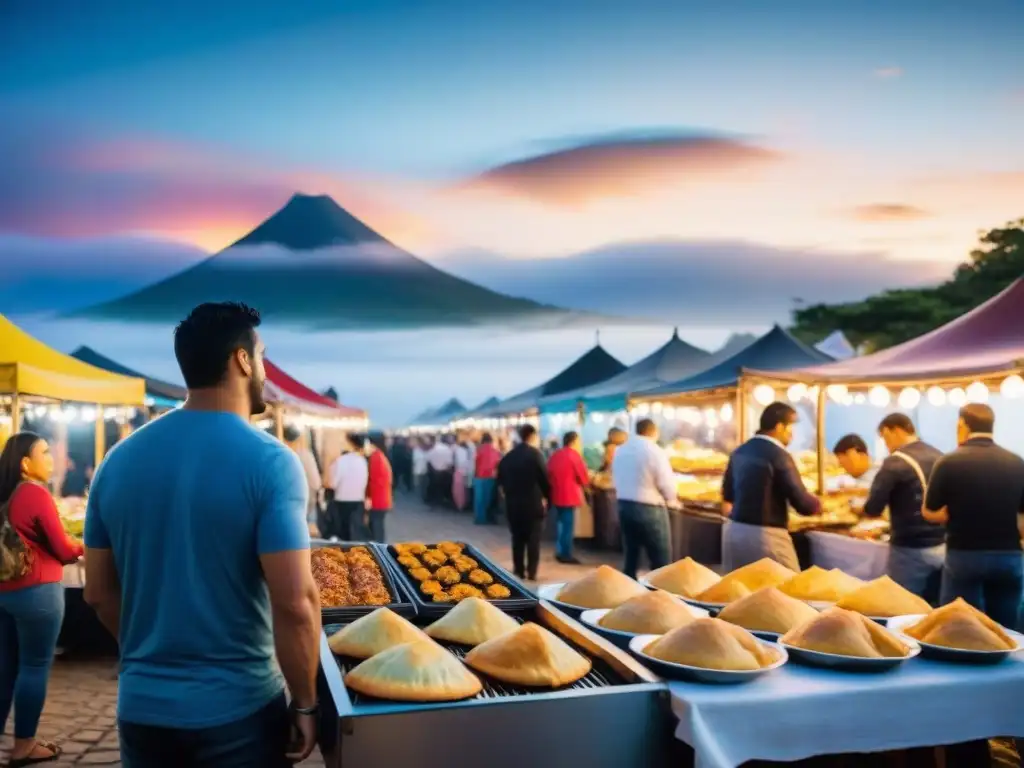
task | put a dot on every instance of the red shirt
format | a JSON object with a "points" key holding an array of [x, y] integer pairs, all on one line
{"points": [[487, 459], [33, 514], [568, 476], [378, 484]]}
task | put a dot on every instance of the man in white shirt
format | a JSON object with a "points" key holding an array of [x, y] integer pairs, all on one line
{"points": [[463, 470], [440, 468], [645, 486], [349, 475]]}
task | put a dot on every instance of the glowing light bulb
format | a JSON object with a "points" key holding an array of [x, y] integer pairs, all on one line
{"points": [[764, 394], [836, 392], [643, 409], [796, 392], [936, 396], [725, 413], [597, 417], [657, 408], [859, 399], [1012, 386], [957, 397], [977, 393], [909, 398], [879, 396]]}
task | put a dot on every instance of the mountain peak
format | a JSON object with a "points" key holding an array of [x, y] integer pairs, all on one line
{"points": [[307, 222]]}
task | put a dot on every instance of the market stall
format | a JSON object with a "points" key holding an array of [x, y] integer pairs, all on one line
{"points": [[979, 357], [160, 395], [436, 419]]}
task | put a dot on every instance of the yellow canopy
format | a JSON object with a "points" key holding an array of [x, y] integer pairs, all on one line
{"points": [[29, 367]]}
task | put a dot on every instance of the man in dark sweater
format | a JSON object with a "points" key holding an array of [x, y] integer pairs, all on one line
{"points": [[917, 547], [978, 492], [523, 478]]}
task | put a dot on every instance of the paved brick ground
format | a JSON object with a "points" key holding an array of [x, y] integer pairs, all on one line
{"points": [[80, 707]]}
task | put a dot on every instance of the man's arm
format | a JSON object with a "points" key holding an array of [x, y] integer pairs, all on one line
{"points": [[283, 546], [102, 581], [665, 478], [803, 501], [936, 500], [881, 487]]}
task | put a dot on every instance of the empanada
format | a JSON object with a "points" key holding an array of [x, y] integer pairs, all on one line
{"points": [[846, 633], [724, 592], [768, 610], [684, 577], [417, 671], [530, 656], [820, 585], [471, 622], [764, 573], [654, 613], [602, 588], [962, 626], [373, 633], [712, 644], [883, 598]]}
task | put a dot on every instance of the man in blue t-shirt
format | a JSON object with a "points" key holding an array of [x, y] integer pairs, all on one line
{"points": [[197, 559]]}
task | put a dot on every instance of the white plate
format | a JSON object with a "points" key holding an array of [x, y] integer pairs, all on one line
{"points": [[550, 592], [700, 674], [898, 624], [851, 663], [593, 618]]}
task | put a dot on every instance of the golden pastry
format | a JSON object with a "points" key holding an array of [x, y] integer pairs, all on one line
{"points": [[462, 591], [602, 588], [724, 592], [450, 548], [464, 564], [768, 610], [373, 633], [471, 622], [441, 597], [447, 575], [431, 587], [413, 548], [962, 626], [764, 573], [410, 561], [684, 577], [654, 613], [883, 598], [820, 585], [434, 558], [414, 671], [530, 655], [480, 578], [846, 633], [712, 644], [497, 591], [420, 574]]}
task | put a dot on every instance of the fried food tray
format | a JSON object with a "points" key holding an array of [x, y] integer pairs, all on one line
{"points": [[360, 730], [401, 601], [522, 600]]}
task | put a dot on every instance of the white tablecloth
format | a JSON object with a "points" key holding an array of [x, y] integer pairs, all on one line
{"points": [[798, 712], [864, 559]]}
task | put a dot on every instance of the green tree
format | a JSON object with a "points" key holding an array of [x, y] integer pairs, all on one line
{"points": [[894, 316]]}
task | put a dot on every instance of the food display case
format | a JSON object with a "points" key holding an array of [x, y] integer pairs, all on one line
{"points": [[400, 598], [617, 715], [520, 599]]}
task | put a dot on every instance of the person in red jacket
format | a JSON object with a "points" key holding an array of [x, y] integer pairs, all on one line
{"points": [[32, 606], [378, 489], [569, 478], [485, 472]]}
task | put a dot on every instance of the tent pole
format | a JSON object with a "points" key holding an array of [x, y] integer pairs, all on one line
{"points": [[100, 437], [741, 414], [15, 414], [821, 440], [279, 421], [581, 414]]}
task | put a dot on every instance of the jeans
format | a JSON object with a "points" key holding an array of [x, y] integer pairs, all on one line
{"points": [[257, 741], [565, 524], [990, 581], [483, 495], [917, 570], [644, 526], [345, 520], [30, 620], [374, 529]]}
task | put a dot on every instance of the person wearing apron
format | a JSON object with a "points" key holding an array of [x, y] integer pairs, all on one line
{"points": [[761, 482]]}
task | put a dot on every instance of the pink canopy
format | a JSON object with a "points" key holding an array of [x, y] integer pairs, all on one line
{"points": [[987, 340]]}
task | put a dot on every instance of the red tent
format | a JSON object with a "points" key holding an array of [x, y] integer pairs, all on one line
{"points": [[283, 389], [986, 341]]}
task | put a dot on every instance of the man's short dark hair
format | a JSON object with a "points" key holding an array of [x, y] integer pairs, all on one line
{"points": [[486, 437], [358, 442], [646, 427], [898, 421], [569, 438], [850, 442], [979, 418], [205, 341], [526, 432], [775, 414], [291, 434]]}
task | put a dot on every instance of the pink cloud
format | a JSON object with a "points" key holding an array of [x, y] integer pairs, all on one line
{"points": [[888, 73], [885, 212]]}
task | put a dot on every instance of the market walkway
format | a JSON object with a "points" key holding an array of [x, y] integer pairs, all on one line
{"points": [[80, 707]]}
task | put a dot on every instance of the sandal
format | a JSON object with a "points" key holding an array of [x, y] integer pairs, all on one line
{"points": [[22, 761]]}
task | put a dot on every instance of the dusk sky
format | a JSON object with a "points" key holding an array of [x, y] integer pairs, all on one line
{"points": [[528, 129]]}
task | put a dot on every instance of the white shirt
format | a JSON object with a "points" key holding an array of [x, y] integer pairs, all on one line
{"points": [[641, 473], [350, 473], [462, 458], [419, 461], [312, 473], [441, 457]]}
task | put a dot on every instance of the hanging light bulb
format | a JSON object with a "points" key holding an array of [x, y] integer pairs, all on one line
{"points": [[957, 397], [977, 393], [849, 399], [859, 399], [796, 392], [597, 417], [725, 413], [909, 398], [836, 392], [764, 394], [1012, 386], [936, 396], [879, 396], [812, 393], [657, 408], [643, 409], [88, 414]]}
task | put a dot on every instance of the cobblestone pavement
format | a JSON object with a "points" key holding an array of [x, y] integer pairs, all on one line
{"points": [[80, 708]]}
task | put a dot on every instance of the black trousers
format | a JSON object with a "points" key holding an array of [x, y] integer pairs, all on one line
{"points": [[344, 520], [526, 532]]}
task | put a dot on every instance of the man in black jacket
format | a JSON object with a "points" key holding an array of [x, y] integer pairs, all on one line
{"points": [[523, 478], [761, 482], [917, 547]]}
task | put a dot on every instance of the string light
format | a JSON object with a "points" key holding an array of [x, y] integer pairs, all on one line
{"points": [[859, 399], [597, 417], [726, 413], [1012, 386], [879, 396], [936, 396], [657, 408], [909, 398], [643, 409], [764, 394], [836, 392], [957, 397], [977, 393], [797, 392]]}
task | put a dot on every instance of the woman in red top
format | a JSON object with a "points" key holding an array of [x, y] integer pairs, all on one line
{"points": [[568, 477], [31, 607], [485, 472], [379, 484]]}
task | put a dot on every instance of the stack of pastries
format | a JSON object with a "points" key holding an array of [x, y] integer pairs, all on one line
{"points": [[768, 610], [883, 598], [846, 633], [712, 644], [746, 580], [604, 587], [685, 577], [817, 584], [652, 613], [961, 626]]}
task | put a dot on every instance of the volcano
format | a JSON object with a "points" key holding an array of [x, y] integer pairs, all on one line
{"points": [[315, 265]]}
